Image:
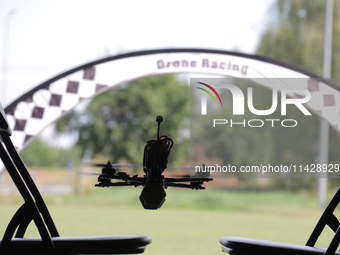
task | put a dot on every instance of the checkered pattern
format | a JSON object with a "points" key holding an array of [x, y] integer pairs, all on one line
{"points": [[325, 102], [50, 103]]}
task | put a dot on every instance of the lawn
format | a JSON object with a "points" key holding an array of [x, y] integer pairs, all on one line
{"points": [[190, 222]]}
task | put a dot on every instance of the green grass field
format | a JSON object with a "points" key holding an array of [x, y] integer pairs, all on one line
{"points": [[190, 222]]}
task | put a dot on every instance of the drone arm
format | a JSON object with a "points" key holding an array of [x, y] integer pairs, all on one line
{"points": [[188, 179], [182, 185], [105, 181], [118, 184]]}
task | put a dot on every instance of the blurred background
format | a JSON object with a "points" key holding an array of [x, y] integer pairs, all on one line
{"points": [[40, 39]]}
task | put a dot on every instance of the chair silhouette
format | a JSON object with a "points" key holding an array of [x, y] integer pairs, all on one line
{"points": [[239, 245], [34, 208]]}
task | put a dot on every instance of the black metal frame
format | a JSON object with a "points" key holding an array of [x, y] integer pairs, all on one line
{"points": [[239, 245], [34, 208], [328, 218]]}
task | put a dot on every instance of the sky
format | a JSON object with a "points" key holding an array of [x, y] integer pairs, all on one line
{"points": [[41, 39]]}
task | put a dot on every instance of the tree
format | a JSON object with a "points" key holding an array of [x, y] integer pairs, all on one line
{"points": [[118, 123], [40, 154], [296, 34]]}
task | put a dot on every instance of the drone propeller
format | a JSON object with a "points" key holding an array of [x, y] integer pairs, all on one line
{"points": [[192, 172], [182, 167], [91, 173], [179, 176], [119, 165], [110, 168]]}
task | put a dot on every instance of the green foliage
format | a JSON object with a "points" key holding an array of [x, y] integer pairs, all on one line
{"points": [[296, 34], [119, 122], [40, 154]]}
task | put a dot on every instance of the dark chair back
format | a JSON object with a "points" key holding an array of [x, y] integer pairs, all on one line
{"points": [[34, 207], [328, 219]]}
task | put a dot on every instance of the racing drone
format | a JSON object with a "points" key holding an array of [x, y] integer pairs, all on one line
{"points": [[155, 159]]}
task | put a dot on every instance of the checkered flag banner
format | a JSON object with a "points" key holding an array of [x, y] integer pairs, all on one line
{"points": [[49, 103], [45, 104]]}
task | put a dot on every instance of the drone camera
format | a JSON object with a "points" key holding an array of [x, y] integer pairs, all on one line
{"points": [[159, 119]]}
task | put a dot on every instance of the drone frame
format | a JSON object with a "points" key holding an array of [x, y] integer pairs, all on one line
{"points": [[109, 173]]}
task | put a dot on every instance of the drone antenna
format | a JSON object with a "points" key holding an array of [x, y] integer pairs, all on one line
{"points": [[159, 119]]}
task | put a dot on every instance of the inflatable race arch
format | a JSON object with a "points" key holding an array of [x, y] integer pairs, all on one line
{"points": [[46, 103]]}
